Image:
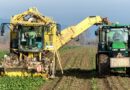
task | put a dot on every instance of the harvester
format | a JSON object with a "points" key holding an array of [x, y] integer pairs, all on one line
{"points": [[113, 49], [34, 43]]}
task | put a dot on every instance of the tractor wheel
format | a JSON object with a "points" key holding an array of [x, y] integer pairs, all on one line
{"points": [[96, 62], [128, 71], [103, 64]]}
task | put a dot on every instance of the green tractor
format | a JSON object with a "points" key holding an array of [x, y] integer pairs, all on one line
{"points": [[113, 48]]}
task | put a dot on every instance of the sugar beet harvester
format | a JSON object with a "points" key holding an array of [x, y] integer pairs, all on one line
{"points": [[34, 43]]}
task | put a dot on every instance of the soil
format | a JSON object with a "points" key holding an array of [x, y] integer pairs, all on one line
{"points": [[80, 73]]}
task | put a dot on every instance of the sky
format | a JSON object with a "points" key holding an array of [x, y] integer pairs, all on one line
{"points": [[69, 12]]}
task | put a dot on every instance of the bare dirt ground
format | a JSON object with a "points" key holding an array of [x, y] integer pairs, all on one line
{"points": [[80, 74], [4, 46]]}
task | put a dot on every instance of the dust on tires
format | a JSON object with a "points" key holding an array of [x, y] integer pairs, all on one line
{"points": [[103, 64]]}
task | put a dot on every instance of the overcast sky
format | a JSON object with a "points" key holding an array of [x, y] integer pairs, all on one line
{"points": [[69, 12]]}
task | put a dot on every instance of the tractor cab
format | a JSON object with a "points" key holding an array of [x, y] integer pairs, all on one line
{"points": [[113, 38], [117, 39]]}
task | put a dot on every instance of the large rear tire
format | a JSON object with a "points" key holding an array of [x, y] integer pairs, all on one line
{"points": [[103, 64], [128, 71], [96, 62]]}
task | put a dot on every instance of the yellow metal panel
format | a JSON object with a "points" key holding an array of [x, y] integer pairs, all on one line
{"points": [[30, 55], [73, 31], [21, 56], [25, 74], [40, 56], [18, 19]]}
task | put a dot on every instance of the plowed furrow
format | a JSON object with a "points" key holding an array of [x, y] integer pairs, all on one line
{"points": [[73, 81], [85, 85], [127, 82], [61, 81], [123, 82], [51, 85], [112, 83], [85, 74], [76, 81], [103, 84], [79, 74], [115, 84]]}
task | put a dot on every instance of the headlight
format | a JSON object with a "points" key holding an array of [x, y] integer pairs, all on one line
{"points": [[123, 49], [115, 49]]}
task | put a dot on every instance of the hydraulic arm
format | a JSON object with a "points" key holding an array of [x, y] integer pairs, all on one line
{"points": [[74, 31]]}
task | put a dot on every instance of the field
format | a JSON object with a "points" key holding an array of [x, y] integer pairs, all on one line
{"points": [[79, 74]]}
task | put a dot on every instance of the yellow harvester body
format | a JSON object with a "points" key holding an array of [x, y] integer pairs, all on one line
{"points": [[35, 40]]}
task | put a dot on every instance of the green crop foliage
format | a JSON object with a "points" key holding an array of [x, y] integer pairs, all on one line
{"points": [[94, 84], [2, 53], [20, 83], [65, 48]]}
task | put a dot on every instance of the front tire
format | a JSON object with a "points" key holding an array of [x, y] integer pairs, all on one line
{"points": [[128, 71], [103, 64], [96, 62]]}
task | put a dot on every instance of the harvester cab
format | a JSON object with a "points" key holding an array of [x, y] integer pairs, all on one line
{"points": [[113, 48], [30, 39]]}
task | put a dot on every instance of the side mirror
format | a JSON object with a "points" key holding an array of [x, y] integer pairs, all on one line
{"points": [[96, 33], [2, 29], [58, 27]]}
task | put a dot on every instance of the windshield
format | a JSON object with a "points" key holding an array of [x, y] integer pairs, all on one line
{"points": [[31, 38], [117, 34]]}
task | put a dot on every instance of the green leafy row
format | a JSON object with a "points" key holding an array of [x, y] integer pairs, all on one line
{"points": [[2, 53], [20, 83]]}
